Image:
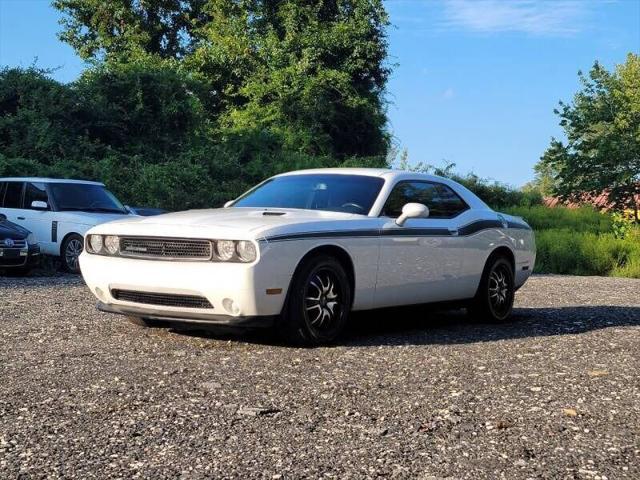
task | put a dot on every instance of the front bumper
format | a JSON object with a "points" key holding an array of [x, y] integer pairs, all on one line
{"points": [[190, 318], [20, 258], [246, 286]]}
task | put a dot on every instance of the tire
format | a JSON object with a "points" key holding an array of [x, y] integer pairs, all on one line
{"points": [[318, 303], [144, 322], [71, 249], [494, 300]]}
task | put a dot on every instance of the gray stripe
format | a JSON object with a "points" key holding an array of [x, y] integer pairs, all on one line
{"points": [[466, 230]]}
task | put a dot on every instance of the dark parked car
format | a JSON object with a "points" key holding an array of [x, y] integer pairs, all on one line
{"points": [[19, 251]]}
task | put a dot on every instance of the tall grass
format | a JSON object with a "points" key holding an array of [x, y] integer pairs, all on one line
{"points": [[583, 219], [580, 242]]}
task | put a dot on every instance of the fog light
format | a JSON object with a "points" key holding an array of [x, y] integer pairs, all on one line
{"points": [[230, 306], [100, 294]]}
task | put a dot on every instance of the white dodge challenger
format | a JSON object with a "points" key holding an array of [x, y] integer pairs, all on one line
{"points": [[301, 250]]}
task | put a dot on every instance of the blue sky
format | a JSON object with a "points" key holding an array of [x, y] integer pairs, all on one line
{"points": [[476, 81]]}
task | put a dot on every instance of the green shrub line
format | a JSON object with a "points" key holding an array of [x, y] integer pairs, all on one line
{"points": [[581, 241]]}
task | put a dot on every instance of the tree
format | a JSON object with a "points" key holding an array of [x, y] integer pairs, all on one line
{"points": [[602, 125], [99, 29], [311, 73]]}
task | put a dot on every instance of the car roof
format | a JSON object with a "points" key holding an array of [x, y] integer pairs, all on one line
{"points": [[369, 172], [397, 175], [49, 180]]}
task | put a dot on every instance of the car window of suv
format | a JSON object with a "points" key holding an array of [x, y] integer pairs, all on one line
{"points": [[35, 192], [13, 195], [442, 201]]}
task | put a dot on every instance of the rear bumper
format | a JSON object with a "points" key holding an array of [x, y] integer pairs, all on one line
{"points": [[191, 318]]}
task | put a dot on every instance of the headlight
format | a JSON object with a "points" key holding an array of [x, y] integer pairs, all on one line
{"points": [[31, 239], [246, 251], [225, 249], [112, 244], [95, 243]]}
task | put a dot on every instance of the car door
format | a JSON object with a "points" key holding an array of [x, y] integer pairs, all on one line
{"points": [[421, 261], [38, 215]]}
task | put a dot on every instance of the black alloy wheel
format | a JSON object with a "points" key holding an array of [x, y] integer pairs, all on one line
{"points": [[318, 303], [494, 299]]}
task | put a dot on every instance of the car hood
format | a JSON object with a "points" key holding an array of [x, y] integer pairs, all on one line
{"points": [[92, 218], [233, 223], [12, 231]]}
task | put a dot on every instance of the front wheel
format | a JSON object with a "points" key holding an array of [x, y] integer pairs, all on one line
{"points": [[494, 299], [318, 303], [71, 249]]}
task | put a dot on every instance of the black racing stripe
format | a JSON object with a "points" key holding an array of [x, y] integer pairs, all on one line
{"points": [[416, 232], [475, 227], [466, 230], [298, 236], [518, 226]]}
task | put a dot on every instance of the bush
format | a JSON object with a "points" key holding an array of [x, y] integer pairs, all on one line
{"points": [[581, 241], [583, 219]]}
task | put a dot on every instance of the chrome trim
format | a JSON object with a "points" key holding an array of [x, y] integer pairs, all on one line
{"points": [[126, 254]]}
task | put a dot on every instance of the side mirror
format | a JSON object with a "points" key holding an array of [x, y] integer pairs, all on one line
{"points": [[228, 204], [412, 210], [39, 205]]}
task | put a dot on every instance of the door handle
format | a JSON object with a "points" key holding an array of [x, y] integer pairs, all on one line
{"points": [[21, 218]]}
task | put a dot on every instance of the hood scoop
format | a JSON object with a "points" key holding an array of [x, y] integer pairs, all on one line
{"points": [[273, 214]]}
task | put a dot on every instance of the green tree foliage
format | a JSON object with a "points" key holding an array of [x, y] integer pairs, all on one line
{"points": [[312, 73], [602, 125], [141, 128], [117, 29]]}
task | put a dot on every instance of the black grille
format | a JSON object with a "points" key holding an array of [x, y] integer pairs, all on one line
{"points": [[164, 248], [14, 243], [163, 299]]}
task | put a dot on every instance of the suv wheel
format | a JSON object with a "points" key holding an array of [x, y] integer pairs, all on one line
{"points": [[71, 249]]}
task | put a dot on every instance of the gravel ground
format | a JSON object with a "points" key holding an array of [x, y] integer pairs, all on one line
{"points": [[409, 393]]}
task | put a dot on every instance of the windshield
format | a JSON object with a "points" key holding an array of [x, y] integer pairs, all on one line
{"points": [[330, 192], [85, 197]]}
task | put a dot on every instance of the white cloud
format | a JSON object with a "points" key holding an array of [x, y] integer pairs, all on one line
{"points": [[545, 18]]}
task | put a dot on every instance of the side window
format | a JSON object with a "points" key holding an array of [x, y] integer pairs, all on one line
{"points": [[35, 192], [441, 200], [450, 202], [13, 195], [3, 187]]}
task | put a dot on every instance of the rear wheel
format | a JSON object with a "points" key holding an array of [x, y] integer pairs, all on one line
{"points": [[318, 303], [494, 299], [71, 249]]}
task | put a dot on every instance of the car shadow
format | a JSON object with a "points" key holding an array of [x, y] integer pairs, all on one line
{"points": [[424, 325]]}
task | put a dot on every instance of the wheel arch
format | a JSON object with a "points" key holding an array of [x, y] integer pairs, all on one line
{"points": [[503, 251], [65, 238], [341, 255]]}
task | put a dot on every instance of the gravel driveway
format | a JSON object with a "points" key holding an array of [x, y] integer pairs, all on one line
{"points": [[409, 393]]}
